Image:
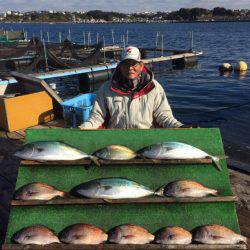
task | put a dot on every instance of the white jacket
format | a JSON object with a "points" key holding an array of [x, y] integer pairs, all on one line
{"points": [[125, 109]]}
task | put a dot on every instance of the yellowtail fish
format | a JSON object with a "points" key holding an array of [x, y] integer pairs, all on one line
{"points": [[51, 151], [83, 234], [38, 191], [130, 234], [111, 188], [37, 234], [185, 188], [217, 234], [176, 150], [115, 152], [173, 235]]}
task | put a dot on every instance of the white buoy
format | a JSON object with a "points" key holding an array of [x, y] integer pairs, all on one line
{"points": [[225, 67], [240, 66]]}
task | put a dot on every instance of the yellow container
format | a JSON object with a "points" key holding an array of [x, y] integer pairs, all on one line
{"points": [[27, 110]]}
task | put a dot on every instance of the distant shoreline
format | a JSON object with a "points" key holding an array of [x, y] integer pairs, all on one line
{"points": [[167, 22]]}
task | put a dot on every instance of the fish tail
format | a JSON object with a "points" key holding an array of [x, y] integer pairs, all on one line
{"points": [[218, 191], [64, 194], [216, 162], [214, 192], [95, 160], [160, 191]]}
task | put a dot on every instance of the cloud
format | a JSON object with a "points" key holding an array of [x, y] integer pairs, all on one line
{"points": [[119, 5]]}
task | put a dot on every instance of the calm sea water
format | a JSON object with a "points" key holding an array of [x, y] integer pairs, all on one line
{"points": [[197, 95]]}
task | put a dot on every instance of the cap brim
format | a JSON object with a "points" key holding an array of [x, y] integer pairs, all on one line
{"points": [[130, 58]]}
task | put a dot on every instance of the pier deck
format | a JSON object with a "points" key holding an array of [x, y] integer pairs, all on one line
{"points": [[82, 70]]}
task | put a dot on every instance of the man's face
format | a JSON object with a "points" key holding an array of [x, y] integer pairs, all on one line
{"points": [[131, 69]]}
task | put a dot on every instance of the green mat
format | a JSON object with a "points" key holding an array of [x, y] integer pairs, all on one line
{"points": [[150, 216]]}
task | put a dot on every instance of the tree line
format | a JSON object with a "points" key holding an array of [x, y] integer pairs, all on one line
{"points": [[183, 14]]}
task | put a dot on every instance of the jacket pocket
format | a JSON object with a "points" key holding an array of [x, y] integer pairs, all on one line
{"points": [[117, 107]]}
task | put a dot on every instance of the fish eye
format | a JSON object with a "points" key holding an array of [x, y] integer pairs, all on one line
{"points": [[29, 193], [27, 237], [39, 149]]}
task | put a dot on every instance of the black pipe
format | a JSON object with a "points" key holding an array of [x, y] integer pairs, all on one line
{"points": [[88, 80], [181, 63]]}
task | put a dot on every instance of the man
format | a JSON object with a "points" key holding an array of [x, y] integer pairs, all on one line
{"points": [[133, 99]]}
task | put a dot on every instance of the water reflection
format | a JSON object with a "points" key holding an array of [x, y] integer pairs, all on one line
{"points": [[241, 75], [226, 73]]}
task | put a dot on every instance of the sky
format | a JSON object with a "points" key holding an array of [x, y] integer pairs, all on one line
{"points": [[127, 6]]}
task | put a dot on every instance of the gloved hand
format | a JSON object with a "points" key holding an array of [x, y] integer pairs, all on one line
{"points": [[189, 126]]}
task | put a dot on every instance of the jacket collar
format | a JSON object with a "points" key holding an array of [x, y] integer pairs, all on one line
{"points": [[122, 86]]}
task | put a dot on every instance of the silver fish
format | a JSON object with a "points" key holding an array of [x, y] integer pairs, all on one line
{"points": [[37, 234], [217, 234], [115, 152], [111, 188], [173, 235], [83, 234], [50, 151], [130, 234], [176, 150], [185, 188], [37, 191]]}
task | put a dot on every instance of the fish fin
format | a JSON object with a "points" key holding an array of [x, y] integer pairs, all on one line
{"points": [[128, 236], [107, 187], [77, 237], [30, 193], [183, 190], [216, 162], [160, 191], [216, 237], [41, 161], [95, 160], [107, 200]]}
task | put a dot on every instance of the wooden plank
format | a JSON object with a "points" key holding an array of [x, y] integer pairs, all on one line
{"points": [[165, 50], [150, 200], [26, 79], [118, 247], [244, 220], [139, 162]]}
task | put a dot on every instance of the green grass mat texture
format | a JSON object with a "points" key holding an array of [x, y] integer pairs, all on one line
{"points": [[150, 216]]}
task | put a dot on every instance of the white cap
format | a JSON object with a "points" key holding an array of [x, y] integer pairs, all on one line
{"points": [[132, 53]]}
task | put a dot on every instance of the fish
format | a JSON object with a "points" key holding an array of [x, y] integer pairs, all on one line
{"points": [[38, 191], [176, 150], [115, 152], [185, 188], [36, 234], [51, 151], [130, 234], [173, 235], [111, 188], [217, 234], [83, 234]]}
